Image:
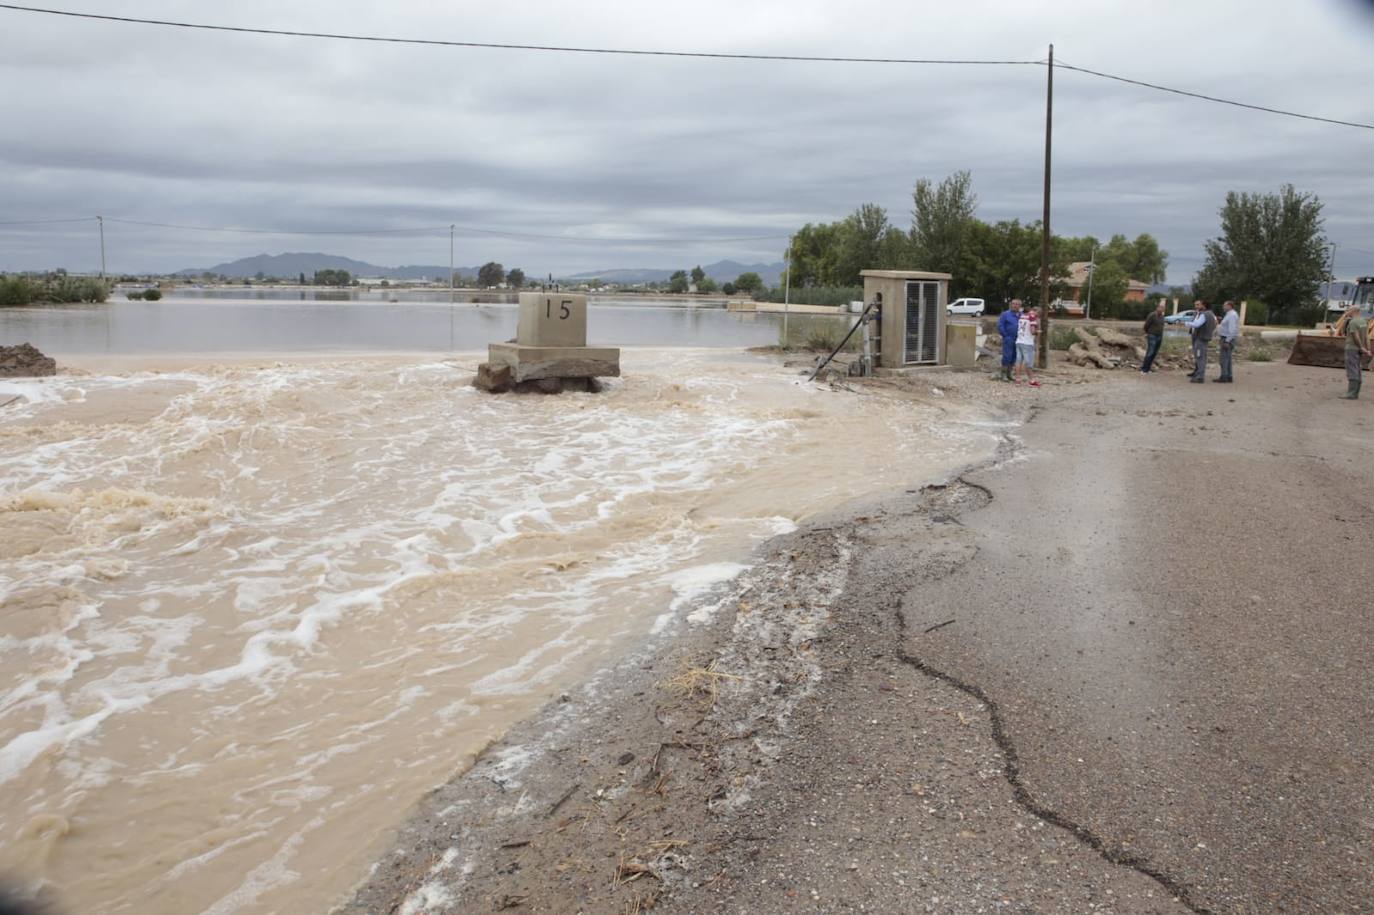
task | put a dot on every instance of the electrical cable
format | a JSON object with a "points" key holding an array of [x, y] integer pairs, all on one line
{"points": [[717, 55], [290, 33], [45, 222], [1212, 98], [466, 230]]}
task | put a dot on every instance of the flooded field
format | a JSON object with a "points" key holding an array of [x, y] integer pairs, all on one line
{"points": [[251, 612]]}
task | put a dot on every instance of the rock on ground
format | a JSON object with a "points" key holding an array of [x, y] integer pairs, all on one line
{"points": [[25, 361]]}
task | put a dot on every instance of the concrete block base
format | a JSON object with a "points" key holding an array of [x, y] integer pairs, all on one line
{"points": [[546, 369]]}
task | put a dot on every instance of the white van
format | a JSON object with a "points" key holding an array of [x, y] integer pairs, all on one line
{"points": [[966, 307]]}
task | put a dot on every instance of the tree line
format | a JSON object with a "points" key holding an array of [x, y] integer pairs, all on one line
{"points": [[1271, 250], [999, 261]]}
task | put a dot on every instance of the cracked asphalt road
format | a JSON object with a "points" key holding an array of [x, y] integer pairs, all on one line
{"points": [[1171, 609]]}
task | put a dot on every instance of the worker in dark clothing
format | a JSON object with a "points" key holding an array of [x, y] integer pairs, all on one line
{"points": [[1154, 337], [1007, 324], [1202, 327]]}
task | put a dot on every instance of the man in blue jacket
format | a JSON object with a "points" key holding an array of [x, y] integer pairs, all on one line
{"points": [[1006, 328]]}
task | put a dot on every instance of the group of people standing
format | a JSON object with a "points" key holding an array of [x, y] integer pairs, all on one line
{"points": [[1018, 327], [1203, 327]]}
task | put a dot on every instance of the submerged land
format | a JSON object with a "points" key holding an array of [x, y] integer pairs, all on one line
{"points": [[1120, 666]]}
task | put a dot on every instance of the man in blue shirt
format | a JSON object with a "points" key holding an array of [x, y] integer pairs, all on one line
{"points": [[1006, 327], [1203, 325], [1229, 332]]}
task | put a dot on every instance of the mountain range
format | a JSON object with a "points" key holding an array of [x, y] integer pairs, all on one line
{"points": [[293, 264]]}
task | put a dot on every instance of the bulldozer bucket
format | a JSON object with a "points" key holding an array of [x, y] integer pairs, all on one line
{"points": [[1321, 350]]}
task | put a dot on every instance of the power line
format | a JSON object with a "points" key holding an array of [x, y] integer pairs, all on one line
{"points": [[45, 222], [468, 230], [1213, 98], [507, 47], [716, 55]]}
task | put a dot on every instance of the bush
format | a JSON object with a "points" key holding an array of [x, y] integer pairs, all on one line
{"points": [[818, 333], [53, 289], [17, 290], [814, 295]]}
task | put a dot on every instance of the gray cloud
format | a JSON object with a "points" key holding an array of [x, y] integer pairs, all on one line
{"points": [[211, 129]]}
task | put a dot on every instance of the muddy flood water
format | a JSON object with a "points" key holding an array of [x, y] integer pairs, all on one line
{"points": [[250, 613]]}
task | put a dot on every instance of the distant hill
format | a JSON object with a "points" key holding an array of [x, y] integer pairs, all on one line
{"points": [[720, 271], [294, 264]]}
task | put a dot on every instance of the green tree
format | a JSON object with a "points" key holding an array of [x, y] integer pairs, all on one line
{"points": [[813, 254], [677, 283], [516, 277], [895, 251], [940, 219], [1271, 247], [1147, 261], [491, 274], [1002, 262], [1109, 287], [698, 276], [860, 244], [749, 282], [331, 278]]}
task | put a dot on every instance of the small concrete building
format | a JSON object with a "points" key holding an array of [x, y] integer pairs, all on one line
{"points": [[911, 330]]}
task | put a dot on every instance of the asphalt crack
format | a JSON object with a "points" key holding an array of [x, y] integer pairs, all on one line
{"points": [[1011, 759]]}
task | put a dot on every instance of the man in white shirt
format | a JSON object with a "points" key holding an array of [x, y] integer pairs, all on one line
{"points": [[1229, 332]]}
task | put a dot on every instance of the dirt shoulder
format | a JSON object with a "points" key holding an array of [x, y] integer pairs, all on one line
{"points": [[854, 725]]}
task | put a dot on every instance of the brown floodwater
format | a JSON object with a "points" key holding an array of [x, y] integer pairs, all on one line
{"points": [[251, 612]]}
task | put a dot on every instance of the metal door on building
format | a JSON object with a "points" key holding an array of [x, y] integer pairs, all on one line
{"points": [[922, 323]]}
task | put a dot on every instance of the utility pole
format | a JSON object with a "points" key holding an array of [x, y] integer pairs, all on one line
{"points": [[1042, 355], [786, 292], [100, 220], [451, 297], [1331, 275], [1092, 268]]}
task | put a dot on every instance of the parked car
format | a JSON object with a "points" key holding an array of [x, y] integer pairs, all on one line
{"points": [[973, 307]]}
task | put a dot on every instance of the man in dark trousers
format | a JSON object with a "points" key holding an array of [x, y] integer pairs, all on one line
{"points": [[1229, 332], [1154, 337], [1202, 327], [1356, 345], [1007, 324]]}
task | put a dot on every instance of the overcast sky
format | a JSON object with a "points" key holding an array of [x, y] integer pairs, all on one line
{"points": [[228, 130]]}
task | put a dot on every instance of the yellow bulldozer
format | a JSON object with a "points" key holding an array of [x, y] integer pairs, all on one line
{"points": [[1325, 346]]}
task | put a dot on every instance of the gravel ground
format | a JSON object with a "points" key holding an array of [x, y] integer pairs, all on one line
{"points": [[1019, 691]]}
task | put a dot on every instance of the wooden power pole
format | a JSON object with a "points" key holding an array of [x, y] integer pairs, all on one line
{"points": [[1042, 348]]}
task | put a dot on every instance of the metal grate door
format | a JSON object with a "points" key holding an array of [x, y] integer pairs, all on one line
{"points": [[922, 323]]}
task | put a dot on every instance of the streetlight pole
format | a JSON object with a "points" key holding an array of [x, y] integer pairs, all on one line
{"points": [[1092, 268], [786, 292]]}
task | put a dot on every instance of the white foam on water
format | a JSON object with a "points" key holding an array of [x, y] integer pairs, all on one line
{"points": [[274, 600]]}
